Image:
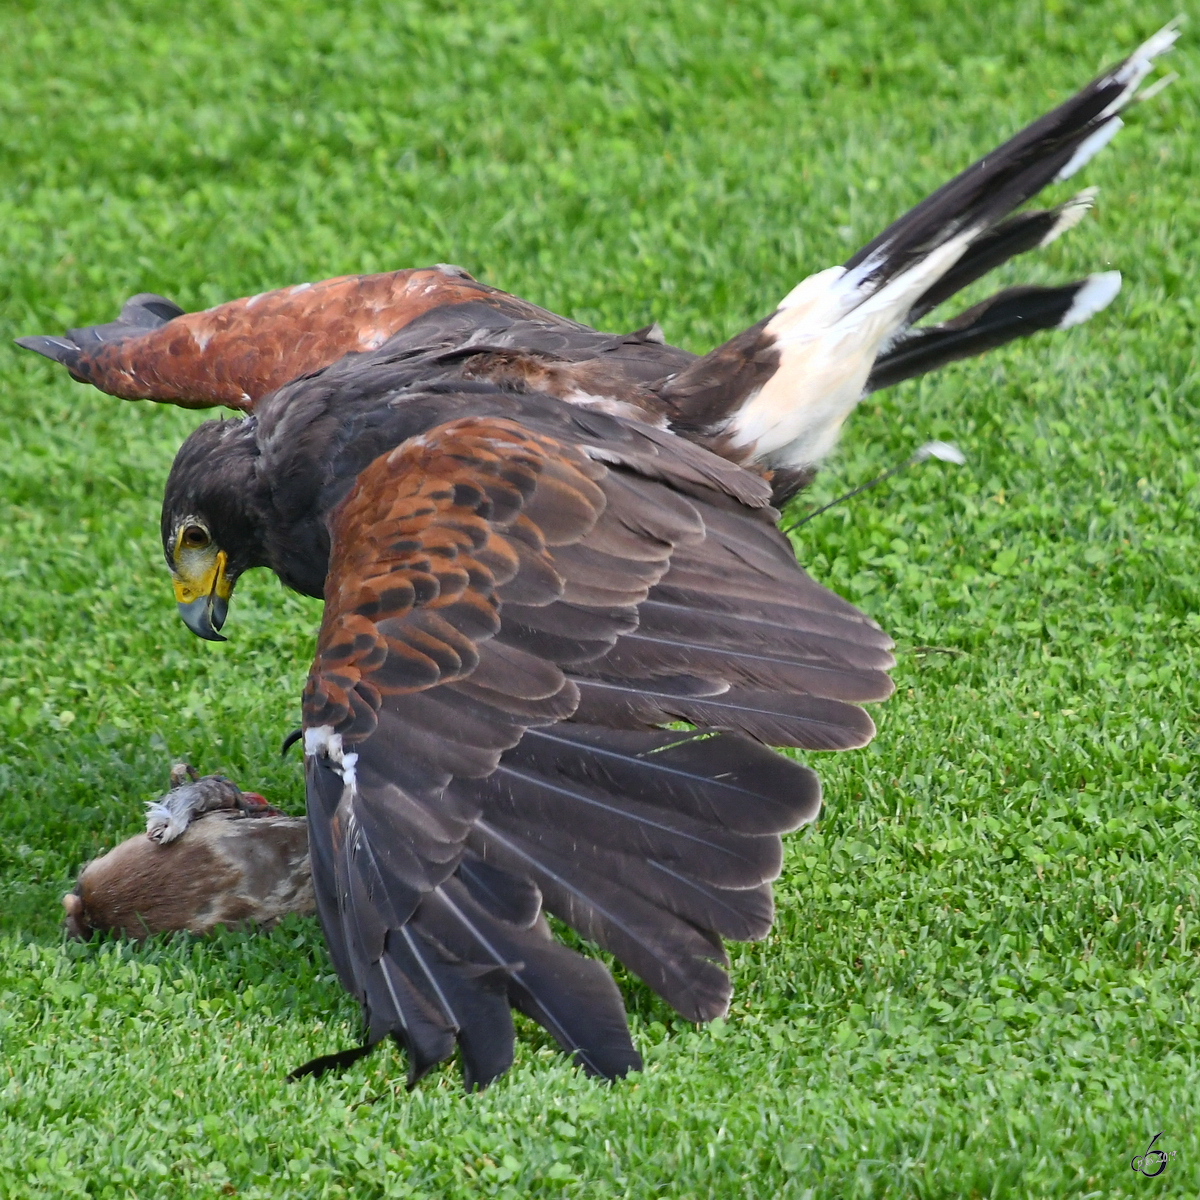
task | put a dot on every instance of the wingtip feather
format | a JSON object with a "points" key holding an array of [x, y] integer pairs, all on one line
{"points": [[57, 349]]}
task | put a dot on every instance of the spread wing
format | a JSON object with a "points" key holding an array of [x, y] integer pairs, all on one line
{"points": [[509, 622], [238, 352], [424, 324]]}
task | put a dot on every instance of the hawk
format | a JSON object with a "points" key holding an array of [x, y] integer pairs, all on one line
{"points": [[561, 628]]}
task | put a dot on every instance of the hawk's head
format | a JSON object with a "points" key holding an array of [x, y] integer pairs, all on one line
{"points": [[210, 530]]}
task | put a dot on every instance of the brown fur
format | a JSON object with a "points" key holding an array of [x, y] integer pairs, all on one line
{"points": [[226, 869]]}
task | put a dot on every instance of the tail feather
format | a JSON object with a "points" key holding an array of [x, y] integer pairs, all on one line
{"points": [[776, 395], [1053, 148], [1017, 235], [1013, 313]]}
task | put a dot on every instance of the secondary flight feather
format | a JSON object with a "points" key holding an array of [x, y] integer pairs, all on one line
{"points": [[540, 546]]}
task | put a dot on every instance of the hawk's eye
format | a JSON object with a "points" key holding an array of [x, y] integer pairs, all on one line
{"points": [[194, 537]]}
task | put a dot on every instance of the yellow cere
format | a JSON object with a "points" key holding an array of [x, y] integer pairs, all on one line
{"points": [[200, 573]]}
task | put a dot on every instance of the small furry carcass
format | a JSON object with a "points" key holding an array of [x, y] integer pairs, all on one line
{"points": [[211, 855]]}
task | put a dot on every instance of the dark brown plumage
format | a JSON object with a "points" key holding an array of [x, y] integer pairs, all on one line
{"points": [[539, 547]]}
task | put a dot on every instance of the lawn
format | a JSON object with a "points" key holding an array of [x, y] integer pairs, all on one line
{"points": [[984, 976]]}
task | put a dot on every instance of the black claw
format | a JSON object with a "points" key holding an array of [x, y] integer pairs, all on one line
{"points": [[289, 741]]}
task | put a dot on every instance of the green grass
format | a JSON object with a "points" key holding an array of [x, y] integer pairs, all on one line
{"points": [[983, 979]]}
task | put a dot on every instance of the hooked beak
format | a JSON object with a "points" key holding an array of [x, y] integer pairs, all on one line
{"points": [[204, 604]]}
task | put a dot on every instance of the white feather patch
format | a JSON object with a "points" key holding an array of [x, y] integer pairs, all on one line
{"points": [[1140, 63], [942, 451], [1090, 147], [1097, 293], [1070, 214], [812, 289], [321, 739], [349, 776], [1157, 86], [614, 408], [828, 330]]}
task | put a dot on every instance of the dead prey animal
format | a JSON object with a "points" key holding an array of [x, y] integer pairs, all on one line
{"points": [[211, 855]]}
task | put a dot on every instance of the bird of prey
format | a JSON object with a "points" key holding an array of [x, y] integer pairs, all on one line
{"points": [[561, 629]]}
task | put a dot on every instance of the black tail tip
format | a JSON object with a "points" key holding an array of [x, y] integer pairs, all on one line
{"points": [[61, 350]]}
